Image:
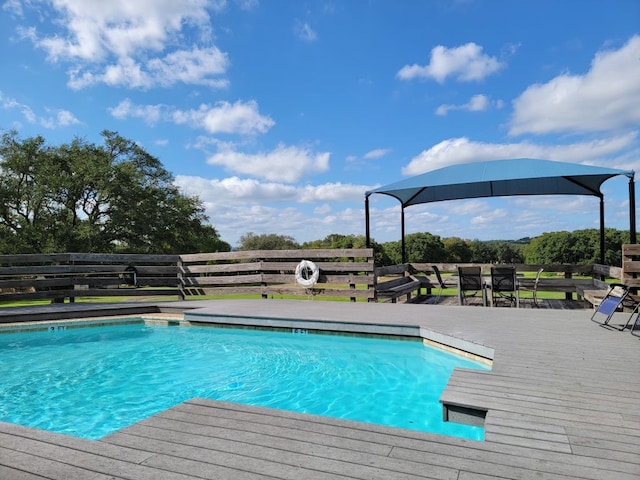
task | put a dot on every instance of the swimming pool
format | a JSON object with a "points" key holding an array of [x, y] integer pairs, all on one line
{"points": [[90, 382]]}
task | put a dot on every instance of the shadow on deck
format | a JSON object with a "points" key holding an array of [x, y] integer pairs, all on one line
{"points": [[543, 303]]}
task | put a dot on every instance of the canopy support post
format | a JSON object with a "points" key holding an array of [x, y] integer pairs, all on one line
{"points": [[602, 229], [632, 211], [366, 220], [404, 247]]}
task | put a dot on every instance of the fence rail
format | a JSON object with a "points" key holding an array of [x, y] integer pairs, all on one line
{"points": [[346, 273], [343, 273], [575, 281]]}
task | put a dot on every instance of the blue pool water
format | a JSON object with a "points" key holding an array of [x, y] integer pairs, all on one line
{"points": [[90, 382]]}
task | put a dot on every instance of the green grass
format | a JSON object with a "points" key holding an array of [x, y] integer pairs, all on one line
{"points": [[151, 298]]}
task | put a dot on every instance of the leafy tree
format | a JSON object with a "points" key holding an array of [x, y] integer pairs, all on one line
{"points": [[577, 247], [95, 198], [507, 252], [336, 240], [481, 252], [392, 253], [420, 247], [267, 241], [457, 250]]}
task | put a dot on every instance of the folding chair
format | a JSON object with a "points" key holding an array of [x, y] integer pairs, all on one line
{"points": [[613, 300], [470, 280], [632, 301], [533, 288], [436, 271], [504, 285]]}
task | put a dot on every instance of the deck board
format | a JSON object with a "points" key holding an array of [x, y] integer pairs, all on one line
{"points": [[561, 400]]}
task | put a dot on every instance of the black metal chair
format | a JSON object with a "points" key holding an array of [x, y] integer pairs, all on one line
{"points": [[470, 284], [632, 302], [532, 288], [504, 286]]}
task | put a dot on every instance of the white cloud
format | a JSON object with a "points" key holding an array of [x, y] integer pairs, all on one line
{"points": [[466, 63], [324, 209], [149, 113], [55, 117], [284, 163], [377, 153], [304, 32], [240, 117], [195, 67], [235, 190], [462, 150], [132, 44], [14, 7], [607, 97], [93, 29], [477, 103], [65, 118], [247, 4], [237, 206], [490, 217]]}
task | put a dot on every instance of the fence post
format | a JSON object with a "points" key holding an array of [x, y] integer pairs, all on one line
{"points": [[180, 278]]}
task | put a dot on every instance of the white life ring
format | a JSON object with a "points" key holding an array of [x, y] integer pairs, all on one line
{"points": [[307, 273]]}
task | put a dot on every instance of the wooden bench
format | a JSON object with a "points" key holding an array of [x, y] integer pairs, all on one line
{"points": [[593, 293], [396, 288]]}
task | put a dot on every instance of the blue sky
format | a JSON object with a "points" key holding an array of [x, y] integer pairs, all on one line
{"points": [[280, 114]]}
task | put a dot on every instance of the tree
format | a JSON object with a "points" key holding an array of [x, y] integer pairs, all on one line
{"points": [[457, 250], [336, 240], [84, 197], [581, 247], [420, 247], [267, 241]]}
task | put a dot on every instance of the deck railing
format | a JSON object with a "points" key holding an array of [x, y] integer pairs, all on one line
{"points": [[58, 276], [343, 273], [346, 273], [586, 282]]}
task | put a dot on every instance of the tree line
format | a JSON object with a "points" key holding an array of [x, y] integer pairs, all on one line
{"points": [[580, 247]]}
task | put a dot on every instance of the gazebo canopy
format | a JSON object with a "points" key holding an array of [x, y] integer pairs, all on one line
{"points": [[498, 178]]}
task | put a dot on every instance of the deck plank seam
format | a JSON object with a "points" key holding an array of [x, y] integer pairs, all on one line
{"points": [[387, 472]]}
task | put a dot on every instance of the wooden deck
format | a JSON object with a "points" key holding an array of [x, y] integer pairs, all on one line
{"points": [[561, 400]]}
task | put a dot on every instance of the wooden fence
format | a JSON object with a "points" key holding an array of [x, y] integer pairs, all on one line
{"points": [[346, 273], [268, 273], [69, 275], [575, 281], [343, 273], [631, 266]]}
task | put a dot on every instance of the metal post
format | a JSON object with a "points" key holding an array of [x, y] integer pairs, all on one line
{"points": [[602, 229], [404, 247], [366, 220], [632, 211]]}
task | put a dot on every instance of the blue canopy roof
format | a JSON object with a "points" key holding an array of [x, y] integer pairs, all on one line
{"points": [[497, 178]]}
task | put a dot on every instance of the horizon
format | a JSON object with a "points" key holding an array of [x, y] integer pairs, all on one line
{"points": [[279, 116]]}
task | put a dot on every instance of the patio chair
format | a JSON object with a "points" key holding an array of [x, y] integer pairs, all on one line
{"points": [[470, 284], [436, 271], [533, 288], [613, 300], [504, 286], [633, 302]]}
